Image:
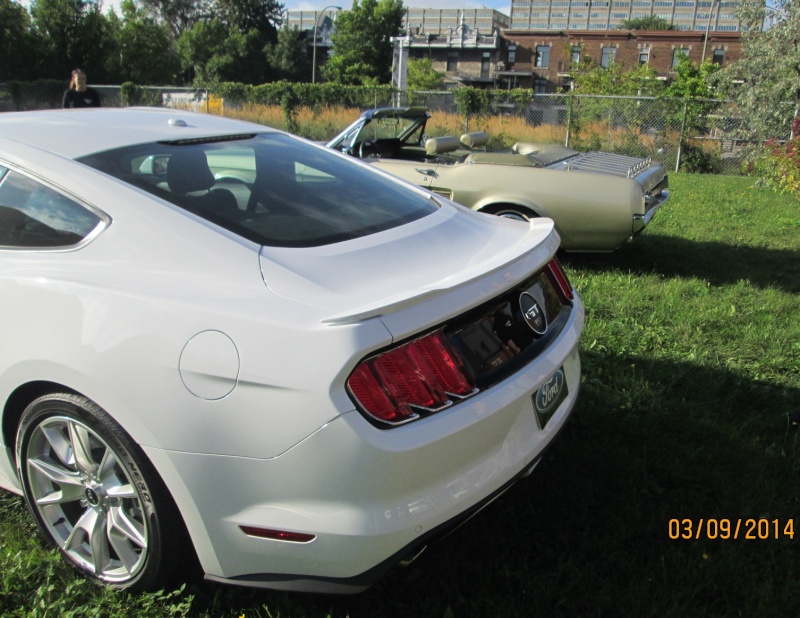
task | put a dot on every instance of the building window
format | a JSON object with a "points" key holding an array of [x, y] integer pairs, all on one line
{"points": [[485, 61], [539, 85], [452, 61], [512, 54], [676, 55], [608, 56], [719, 56], [542, 56], [644, 56], [576, 54]]}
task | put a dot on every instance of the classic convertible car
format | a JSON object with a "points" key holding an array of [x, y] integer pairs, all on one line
{"points": [[598, 200]]}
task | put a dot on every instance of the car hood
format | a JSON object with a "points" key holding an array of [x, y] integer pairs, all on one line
{"points": [[423, 260]]}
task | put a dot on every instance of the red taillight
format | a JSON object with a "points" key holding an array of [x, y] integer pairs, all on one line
{"points": [[419, 376], [562, 282]]}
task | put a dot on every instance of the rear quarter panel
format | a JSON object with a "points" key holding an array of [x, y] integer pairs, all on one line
{"points": [[591, 211]]}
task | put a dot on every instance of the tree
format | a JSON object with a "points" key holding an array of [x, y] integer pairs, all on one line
{"points": [[74, 33], [692, 80], [16, 43], [651, 22], [590, 78], [288, 56], [146, 49], [422, 76], [263, 16], [770, 68], [180, 15], [362, 50], [211, 52]]}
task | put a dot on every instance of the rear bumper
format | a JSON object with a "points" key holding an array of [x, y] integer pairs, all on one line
{"points": [[369, 496], [653, 203]]}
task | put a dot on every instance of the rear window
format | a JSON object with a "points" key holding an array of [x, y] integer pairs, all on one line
{"points": [[271, 188]]}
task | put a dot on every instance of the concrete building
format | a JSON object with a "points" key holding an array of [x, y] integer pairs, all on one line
{"points": [[684, 15], [421, 21]]}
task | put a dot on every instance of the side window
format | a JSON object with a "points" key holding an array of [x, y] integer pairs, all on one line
{"points": [[35, 216]]}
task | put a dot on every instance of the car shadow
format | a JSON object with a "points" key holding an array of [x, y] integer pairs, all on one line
{"points": [[715, 262], [598, 528]]}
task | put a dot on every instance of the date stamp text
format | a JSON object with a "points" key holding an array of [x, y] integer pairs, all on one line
{"points": [[747, 529]]}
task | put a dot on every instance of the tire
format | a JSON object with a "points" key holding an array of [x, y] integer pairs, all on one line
{"points": [[95, 496], [511, 211]]}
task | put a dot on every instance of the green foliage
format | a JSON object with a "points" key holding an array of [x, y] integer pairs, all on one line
{"points": [[473, 102], [591, 78], [422, 76], [179, 15], [778, 165], [146, 49], [288, 56], [314, 95], [697, 160], [132, 94], [651, 22], [16, 42], [769, 68], [72, 34], [692, 80], [212, 52], [247, 15], [26, 95], [362, 51], [696, 82]]}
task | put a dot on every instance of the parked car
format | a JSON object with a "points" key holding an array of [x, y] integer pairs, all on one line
{"points": [[598, 200], [227, 346]]}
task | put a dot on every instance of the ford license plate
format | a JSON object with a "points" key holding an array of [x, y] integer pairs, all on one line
{"points": [[549, 397]]}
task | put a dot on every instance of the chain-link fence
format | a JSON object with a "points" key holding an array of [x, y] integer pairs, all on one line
{"points": [[693, 135]]}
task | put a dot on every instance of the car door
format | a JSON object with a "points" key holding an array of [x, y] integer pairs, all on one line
{"points": [[422, 174]]}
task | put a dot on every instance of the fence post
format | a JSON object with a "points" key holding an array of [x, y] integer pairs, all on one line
{"points": [[680, 137], [569, 119]]}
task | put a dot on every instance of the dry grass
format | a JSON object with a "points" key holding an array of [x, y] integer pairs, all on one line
{"points": [[324, 123]]}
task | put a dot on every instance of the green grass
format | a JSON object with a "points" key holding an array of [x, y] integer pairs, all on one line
{"points": [[691, 358]]}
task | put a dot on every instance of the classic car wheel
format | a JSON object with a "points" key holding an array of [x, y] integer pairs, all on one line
{"points": [[511, 211], [94, 495]]}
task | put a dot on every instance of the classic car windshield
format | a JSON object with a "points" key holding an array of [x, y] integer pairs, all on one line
{"points": [[269, 188], [395, 127]]}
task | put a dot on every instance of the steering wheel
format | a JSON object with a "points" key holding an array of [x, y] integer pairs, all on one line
{"points": [[366, 148]]}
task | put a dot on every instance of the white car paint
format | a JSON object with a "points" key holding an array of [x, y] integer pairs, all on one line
{"points": [[226, 361]]}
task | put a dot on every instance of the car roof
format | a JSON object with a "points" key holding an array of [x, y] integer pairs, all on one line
{"points": [[75, 133]]}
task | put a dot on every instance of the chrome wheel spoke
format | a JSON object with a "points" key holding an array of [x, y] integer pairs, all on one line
{"points": [[81, 448], [126, 537], [54, 472], [87, 542]]}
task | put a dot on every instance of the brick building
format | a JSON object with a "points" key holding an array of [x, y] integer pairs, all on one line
{"points": [[541, 59]]}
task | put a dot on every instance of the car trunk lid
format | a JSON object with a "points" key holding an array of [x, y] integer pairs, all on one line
{"points": [[448, 261]]}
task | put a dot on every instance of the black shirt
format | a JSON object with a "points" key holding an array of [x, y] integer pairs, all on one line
{"points": [[87, 98]]}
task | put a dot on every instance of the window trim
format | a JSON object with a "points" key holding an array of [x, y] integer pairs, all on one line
{"points": [[104, 220]]}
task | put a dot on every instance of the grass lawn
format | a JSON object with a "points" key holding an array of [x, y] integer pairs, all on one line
{"points": [[691, 357]]}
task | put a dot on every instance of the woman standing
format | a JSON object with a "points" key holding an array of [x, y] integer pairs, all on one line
{"points": [[79, 94]]}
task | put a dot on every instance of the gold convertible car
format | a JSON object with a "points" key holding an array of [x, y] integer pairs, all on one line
{"points": [[597, 200]]}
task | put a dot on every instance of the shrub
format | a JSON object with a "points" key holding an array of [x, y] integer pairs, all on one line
{"points": [[697, 160], [778, 164]]}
